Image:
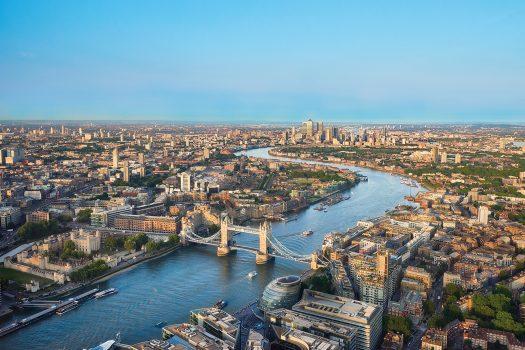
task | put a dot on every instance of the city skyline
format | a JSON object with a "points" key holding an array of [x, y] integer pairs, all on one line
{"points": [[237, 62]]}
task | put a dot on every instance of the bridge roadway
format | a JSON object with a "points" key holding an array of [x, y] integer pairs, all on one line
{"points": [[44, 313], [242, 247]]}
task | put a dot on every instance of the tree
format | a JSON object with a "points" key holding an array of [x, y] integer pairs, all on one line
{"points": [[173, 239], [129, 244], [454, 290], [84, 216], [428, 307], [151, 246], [399, 324], [64, 218], [35, 230]]}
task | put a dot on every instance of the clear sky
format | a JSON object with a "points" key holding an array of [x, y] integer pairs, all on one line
{"points": [[404, 61]]}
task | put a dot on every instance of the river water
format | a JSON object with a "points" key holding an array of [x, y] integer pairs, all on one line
{"points": [[167, 288]]}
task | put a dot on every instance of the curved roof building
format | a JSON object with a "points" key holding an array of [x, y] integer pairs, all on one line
{"points": [[282, 292]]}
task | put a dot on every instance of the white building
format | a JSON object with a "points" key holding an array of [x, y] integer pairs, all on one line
{"points": [[483, 215]]}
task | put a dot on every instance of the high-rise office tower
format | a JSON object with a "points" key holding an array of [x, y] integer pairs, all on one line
{"points": [[141, 158], [457, 158]]}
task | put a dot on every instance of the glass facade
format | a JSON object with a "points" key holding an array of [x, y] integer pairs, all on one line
{"points": [[282, 292]]}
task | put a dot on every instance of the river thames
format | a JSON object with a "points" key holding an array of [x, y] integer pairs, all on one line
{"points": [[167, 288]]}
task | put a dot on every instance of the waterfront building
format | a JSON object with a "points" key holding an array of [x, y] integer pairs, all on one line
{"points": [[366, 318], [343, 334], [216, 322], [143, 223], [196, 336], [282, 292]]}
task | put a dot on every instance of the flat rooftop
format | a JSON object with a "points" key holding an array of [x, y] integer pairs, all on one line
{"points": [[336, 307]]}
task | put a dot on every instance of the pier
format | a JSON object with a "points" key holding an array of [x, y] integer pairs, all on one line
{"points": [[44, 313]]}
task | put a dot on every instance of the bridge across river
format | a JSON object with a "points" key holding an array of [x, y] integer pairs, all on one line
{"points": [[269, 247]]}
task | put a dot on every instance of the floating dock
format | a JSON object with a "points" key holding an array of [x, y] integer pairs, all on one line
{"points": [[45, 313]]}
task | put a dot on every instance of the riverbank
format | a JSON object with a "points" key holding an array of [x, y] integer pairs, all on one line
{"points": [[169, 287], [116, 269], [275, 153]]}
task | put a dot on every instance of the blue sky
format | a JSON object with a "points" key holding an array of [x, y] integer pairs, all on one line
{"points": [[399, 61]]}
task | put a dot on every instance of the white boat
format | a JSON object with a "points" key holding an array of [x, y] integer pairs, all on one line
{"points": [[252, 274], [107, 345], [67, 308], [106, 292], [307, 233]]}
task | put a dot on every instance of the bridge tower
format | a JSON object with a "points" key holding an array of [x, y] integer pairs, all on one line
{"points": [[224, 246], [314, 262], [265, 234]]}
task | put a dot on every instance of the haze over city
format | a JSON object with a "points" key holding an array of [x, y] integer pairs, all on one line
{"points": [[382, 61]]}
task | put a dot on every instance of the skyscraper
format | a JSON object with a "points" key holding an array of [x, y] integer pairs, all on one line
{"points": [[483, 215], [125, 171], [115, 158]]}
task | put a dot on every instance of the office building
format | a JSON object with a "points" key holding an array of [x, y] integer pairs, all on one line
{"points": [[344, 335], [365, 318], [216, 322], [296, 339]]}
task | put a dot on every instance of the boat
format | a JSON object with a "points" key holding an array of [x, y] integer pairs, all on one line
{"points": [[291, 218], [107, 345], [106, 292], [307, 233], [160, 324], [64, 309], [252, 274], [220, 304]]}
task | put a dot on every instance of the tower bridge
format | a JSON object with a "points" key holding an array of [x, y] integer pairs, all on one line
{"points": [[269, 247]]}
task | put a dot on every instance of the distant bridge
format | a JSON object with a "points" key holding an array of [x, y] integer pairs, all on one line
{"points": [[269, 246]]}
